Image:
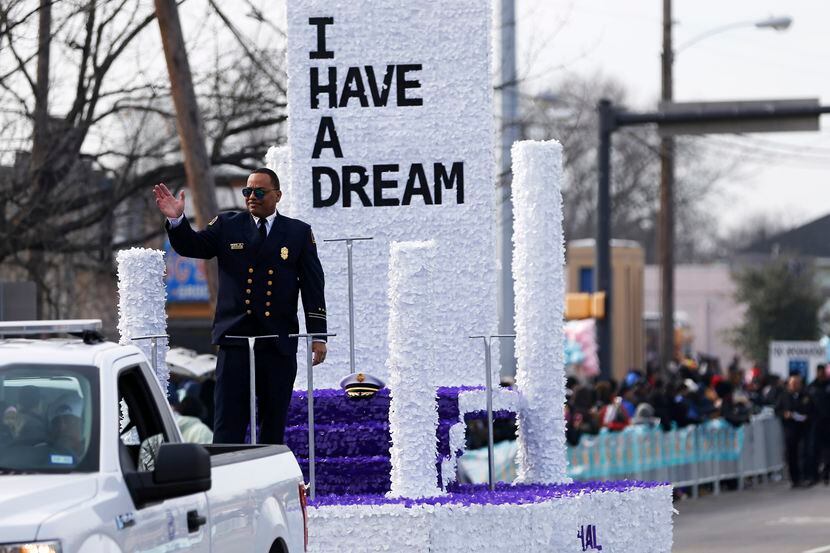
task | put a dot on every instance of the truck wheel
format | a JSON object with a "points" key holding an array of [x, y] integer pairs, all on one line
{"points": [[278, 547]]}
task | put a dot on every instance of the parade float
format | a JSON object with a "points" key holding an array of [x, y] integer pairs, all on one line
{"points": [[391, 138]]}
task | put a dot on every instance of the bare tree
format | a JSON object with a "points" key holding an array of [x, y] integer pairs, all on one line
{"points": [[88, 127]]}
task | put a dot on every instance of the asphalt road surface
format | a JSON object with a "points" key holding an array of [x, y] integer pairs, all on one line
{"points": [[769, 519]]}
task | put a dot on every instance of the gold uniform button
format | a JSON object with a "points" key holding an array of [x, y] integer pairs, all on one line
{"points": [[268, 293], [249, 311], [270, 271], [250, 281], [247, 290], [250, 269], [247, 302], [270, 283], [267, 304], [267, 313]]}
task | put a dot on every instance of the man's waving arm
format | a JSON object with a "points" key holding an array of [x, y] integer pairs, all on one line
{"points": [[187, 242]]}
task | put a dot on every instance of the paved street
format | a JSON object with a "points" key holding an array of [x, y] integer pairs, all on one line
{"points": [[770, 519]]}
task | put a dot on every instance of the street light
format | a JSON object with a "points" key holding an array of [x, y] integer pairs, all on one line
{"points": [[777, 23], [665, 237]]}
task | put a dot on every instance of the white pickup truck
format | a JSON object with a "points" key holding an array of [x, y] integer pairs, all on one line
{"points": [[91, 460]]}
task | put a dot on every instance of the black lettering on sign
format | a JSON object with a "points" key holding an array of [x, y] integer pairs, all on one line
{"points": [[380, 96], [380, 184], [386, 187], [353, 87], [358, 187], [404, 84], [416, 173], [321, 53], [330, 88], [454, 179], [317, 186], [326, 128], [354, 84]]}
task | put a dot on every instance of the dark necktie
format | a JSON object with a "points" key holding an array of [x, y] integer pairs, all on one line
{"points": [[263, 230]]}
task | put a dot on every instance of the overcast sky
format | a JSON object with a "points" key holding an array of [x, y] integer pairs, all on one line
{"points": [[786, 175]]}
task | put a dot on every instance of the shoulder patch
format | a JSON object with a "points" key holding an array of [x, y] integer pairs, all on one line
{"points": [[213, 220]]}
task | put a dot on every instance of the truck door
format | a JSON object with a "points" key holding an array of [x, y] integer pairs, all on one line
{"points": [[171, 525]]}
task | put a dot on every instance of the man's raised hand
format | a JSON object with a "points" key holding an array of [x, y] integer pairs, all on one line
{"points": [[169, 205]]}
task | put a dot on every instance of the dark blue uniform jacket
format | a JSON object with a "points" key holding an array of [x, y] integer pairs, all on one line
{"points": [[259, 285]]}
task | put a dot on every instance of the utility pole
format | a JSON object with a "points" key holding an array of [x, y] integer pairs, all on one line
{"points": [[510, 133], [603, 277], [665, 234], [38, 167], [189, 123]]}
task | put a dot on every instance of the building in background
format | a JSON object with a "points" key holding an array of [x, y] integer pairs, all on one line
{"points": [[810, 241], [627, 261], [705, 308]]}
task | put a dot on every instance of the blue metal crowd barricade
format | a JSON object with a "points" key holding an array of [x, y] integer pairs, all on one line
{"points": [[687, 457]]}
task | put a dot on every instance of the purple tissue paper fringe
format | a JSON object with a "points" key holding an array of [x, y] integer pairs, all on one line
{"points": [[479, 494]]}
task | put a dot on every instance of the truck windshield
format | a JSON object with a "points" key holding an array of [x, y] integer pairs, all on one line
{"points": [[49, 419]]}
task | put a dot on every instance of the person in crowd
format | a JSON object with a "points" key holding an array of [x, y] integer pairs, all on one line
{"points": [[31, 428], [65, 425], [735, 412], [612, 414], [736, 379], [628, 399], [8, 424], [680, 405], [795, 409], [660, 401], [755, 393], [645, 416], [188, 413], [772, 390], [819, 439], [735, 364], [582, 415]]}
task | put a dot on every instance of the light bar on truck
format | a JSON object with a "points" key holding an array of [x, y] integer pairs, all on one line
{"points": [[70, 326]]}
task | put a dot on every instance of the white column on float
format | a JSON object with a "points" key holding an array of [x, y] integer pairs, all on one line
{"points": [[141, 305], [413, 412], [539, 286]]}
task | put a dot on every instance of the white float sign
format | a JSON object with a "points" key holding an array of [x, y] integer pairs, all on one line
{"points": [[391, 136], [796, 356]]}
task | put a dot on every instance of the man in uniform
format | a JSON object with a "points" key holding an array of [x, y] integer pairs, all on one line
{"points": [[795, 409], [266, 260]]}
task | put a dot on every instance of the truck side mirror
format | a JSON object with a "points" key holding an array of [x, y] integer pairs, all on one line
{"points": [[181, 469]]}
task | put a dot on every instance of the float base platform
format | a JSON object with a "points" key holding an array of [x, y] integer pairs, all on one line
{"points": [[612, 517]]}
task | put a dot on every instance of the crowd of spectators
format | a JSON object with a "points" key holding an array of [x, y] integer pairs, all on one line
{"points": [[695, 393], [691, 394]]}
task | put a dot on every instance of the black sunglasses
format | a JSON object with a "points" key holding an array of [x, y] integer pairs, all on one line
{"points": [[258, 193]]}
